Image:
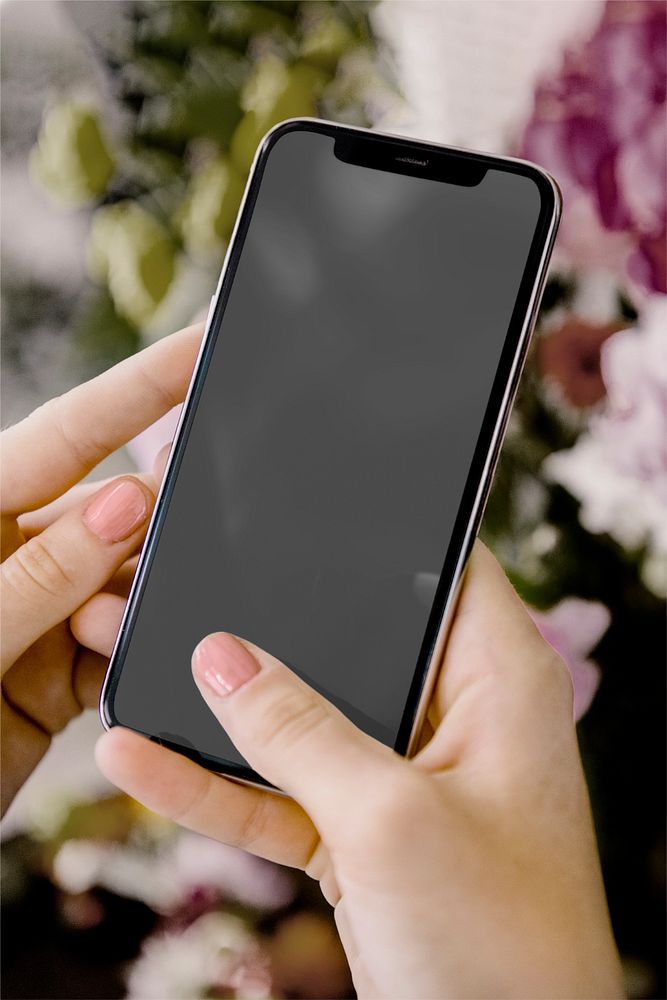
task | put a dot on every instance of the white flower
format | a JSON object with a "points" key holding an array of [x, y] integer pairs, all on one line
{"points": [[76, 866], [166, 875], [125, 870], [611, 501], [217, 950], [618, 468]]}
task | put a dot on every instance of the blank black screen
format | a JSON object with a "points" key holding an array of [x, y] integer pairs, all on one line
{"points": [[332, 440]]}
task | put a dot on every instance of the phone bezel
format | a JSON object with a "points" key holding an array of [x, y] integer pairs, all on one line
{"points": [[484, 457]]}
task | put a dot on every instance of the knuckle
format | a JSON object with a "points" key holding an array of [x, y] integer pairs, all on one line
{"points": [[34, 570], [84, 448], [164, 397], [317, 860], [291, 718], [330, 889], [252, 825], [185, 811], [318, 866]]}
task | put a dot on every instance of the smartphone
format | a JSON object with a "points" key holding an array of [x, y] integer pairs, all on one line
{"points": [[336, 447]]}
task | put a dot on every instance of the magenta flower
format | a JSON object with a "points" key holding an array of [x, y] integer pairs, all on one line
{"points": [[599, 126]]}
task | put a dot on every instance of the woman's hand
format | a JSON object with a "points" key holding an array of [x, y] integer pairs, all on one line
{"points": [[61, 543], [469, 871]]}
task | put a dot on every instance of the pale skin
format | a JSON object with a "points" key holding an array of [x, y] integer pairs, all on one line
{"points": [[468, 871]]}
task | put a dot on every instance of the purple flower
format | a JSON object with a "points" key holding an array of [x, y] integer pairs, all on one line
{"points": [[599, 126], [574, 627]]}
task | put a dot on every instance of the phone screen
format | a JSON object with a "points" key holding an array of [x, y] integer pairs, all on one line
{"points": [[327, 458]]}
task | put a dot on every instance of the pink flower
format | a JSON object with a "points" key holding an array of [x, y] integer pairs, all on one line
{"points": [[599, 126], [570, 355], [574, 627]]}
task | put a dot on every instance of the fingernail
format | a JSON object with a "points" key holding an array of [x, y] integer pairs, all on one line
{"points": [[116, 511], [223, 663]]}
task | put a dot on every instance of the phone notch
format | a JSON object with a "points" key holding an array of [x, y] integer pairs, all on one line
{"points": [[428, 162]]}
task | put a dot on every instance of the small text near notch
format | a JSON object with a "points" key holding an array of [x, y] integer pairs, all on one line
{"points": [[431, 163]]}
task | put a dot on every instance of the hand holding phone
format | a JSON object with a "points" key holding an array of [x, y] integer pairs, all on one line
{"points": [[62, 542], [336, 448], [470, 870]]}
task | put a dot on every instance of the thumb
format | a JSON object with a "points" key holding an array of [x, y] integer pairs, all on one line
{"points": [[285, 730]]}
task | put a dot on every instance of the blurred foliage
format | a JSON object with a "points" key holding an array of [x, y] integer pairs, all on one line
{"points": [[195, 86]]}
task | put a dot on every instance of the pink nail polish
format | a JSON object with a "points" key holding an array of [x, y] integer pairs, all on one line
{"points": [[223, 664], [116, 511]]}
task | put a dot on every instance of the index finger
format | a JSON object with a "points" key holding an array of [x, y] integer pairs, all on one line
{"points": [[58, 444], [269, 825]]}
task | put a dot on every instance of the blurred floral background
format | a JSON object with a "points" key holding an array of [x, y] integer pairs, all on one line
{"points": [[128, 129]]}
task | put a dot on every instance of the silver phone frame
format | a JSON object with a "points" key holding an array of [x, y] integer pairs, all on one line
{"points": [[481, 496]]}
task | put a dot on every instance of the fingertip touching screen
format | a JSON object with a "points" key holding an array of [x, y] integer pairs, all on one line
{"points": [[327, 456]]}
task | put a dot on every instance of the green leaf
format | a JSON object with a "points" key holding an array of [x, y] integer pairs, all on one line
{"points": [[149, 74], [151, 167], [207, 216], [237, 22], [326, 41], [205, 103], [72, 159], [134, 255], [273, 93], [171, 28]]}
